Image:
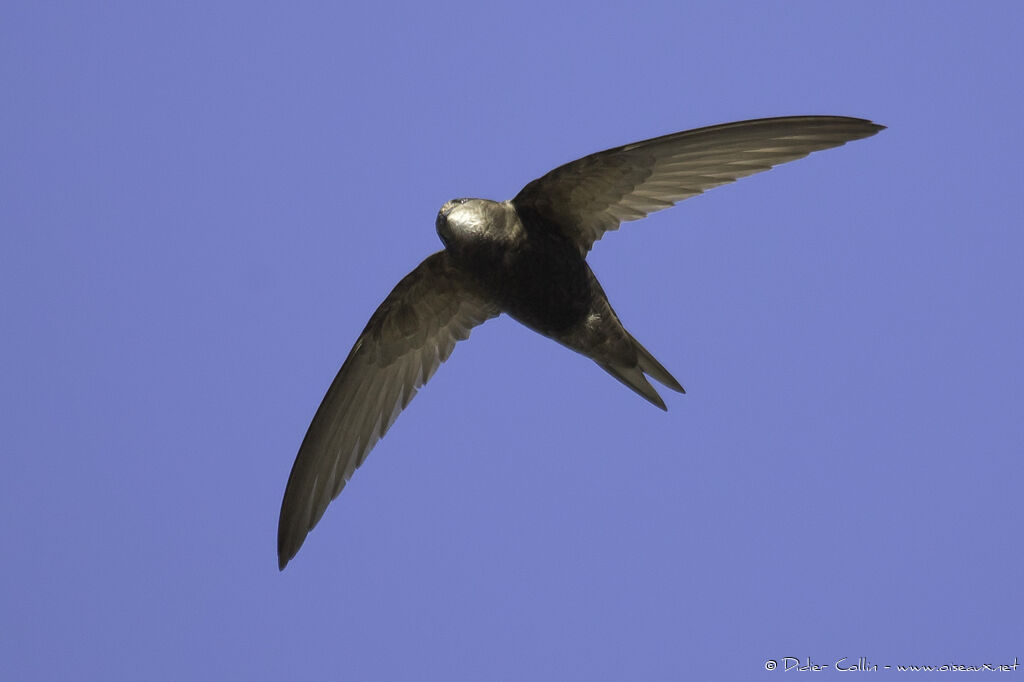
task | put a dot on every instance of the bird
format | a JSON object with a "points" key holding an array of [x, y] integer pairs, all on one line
{"points": [[526, 257]]}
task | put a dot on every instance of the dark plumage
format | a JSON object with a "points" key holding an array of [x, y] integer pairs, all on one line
{"points": [[526, 257]]}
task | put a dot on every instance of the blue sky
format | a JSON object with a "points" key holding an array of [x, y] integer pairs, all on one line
{"points": [[202, 204]]}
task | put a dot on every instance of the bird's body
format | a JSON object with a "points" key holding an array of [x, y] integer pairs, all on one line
{"points": [[540, 278], [526, 258]]}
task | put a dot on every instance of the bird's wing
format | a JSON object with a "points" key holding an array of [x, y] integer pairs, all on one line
{"points": [[590, 196], [412, 332]]}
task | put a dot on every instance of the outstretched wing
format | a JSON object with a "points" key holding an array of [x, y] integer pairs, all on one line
{"points": [[412, 332], [590, 196]]}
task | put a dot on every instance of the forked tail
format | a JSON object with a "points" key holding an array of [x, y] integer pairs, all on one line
{"points": [[632, 375]]}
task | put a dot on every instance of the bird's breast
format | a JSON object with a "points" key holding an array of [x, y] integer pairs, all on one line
{"points": [[545, 284]]}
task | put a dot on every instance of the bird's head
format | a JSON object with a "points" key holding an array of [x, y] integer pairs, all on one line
{"points": [[472, 224]]}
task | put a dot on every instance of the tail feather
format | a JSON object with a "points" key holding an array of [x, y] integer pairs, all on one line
{"points": [[635, 379], [632, 375], [651, 366]]}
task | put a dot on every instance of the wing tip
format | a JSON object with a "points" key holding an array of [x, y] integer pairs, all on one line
{"points": [[287, 548], [868, 127]]}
